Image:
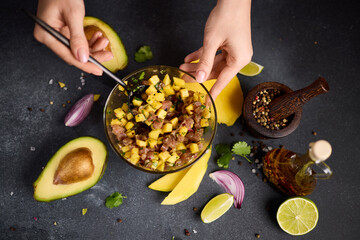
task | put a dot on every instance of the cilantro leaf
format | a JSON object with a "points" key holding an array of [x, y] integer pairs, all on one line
{"points": [[224, 160], [142, 75], [143, 54], [242, 149], [114, 200], [222, 148]]}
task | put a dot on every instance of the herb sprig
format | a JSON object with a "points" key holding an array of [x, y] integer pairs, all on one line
{"points": [[114, 200], [226, 152]]}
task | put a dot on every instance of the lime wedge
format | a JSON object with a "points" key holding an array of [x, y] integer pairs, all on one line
{"points": [[251, 69], [297, 216], [216, 207]]}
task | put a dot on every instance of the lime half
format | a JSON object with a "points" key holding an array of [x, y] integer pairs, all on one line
{"points": [[216, 207], [251, 69], [297, 216]]}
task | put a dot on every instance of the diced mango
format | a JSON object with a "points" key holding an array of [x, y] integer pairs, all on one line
{"points": [[156, 105], [159, 96], [179, 82], [137, 102], [154, 134], [190, 109], [172, 108], [115, 121], [166, 80], [160, 140], [152, 142], [174, 122], [121, 88], [123, 121], [206, 113], [183, 131], [169, 90], [119, 113], [125, 148], [154, 79], [127, 155], [140, 143], [164, 155], [149, 108], [130, 133], [196, 97], [180, 146], [134, 159], [135, 150], [96, 97], [171, 159], [161, 167], [125, 107], [140, 117], [184, 93], [161, 113], [202, 97], [156, 156], [151, 90], [194, 148], [204, 122], [129, 116], [176, 88], [129, 125], [146, 113], [167, 128]]}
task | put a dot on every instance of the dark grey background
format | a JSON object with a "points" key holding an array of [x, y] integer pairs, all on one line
{"points": [[296, 41]]}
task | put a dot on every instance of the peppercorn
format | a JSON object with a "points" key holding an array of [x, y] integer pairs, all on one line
{"points": [[232, 134], [314, 133], [12, 229], [195, 209], [257, 235], [64, 105], [187, 233], [29, 108], [240, 163], [119, 220], [68, 101], [42, 110]]}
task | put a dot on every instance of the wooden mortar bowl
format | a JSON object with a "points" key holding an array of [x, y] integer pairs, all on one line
{"points": [[255, 128]]}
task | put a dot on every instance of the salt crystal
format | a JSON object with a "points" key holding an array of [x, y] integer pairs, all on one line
{"points": [[32, 149], [12, 193], [65, 88], [265, 149], [79, 88], [51, 81], [64, 198], [82, 74], [270, 148], [82, 80], [253, 170], [82, 84], [256, 160], [251, 154], [194, 231]]}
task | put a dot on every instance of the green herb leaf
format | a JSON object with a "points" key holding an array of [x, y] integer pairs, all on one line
{"points": [[114, 200], [224, 160], [203, 107], [241, 148], [142, 75], [222, 148], [143, 54]]}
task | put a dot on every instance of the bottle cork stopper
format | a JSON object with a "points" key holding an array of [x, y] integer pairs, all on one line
{"points": [[320, 150]]}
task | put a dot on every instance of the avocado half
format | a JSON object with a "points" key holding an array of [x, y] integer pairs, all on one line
{"points": [[74, 168], [120, 59]]}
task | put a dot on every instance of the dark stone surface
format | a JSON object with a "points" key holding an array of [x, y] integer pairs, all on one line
{"points": [[296, 41]]}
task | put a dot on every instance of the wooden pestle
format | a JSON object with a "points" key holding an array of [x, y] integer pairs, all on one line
{"points": [[288, 103]]}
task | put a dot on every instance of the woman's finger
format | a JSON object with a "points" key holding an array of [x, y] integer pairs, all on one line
{"points": [[193, 56], [100, 44]]}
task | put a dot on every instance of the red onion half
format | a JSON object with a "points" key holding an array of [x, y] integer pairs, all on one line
{"points": [[79, 111], [231, 183]]}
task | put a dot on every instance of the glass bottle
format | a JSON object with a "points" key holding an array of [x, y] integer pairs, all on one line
{"points": [[294, 173]]}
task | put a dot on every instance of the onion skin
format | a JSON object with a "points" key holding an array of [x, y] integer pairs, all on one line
{"points": [[231, 183], [79, 111]]}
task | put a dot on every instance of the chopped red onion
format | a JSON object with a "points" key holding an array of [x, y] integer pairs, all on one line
{"points": [[231, 183], [79, 111]]}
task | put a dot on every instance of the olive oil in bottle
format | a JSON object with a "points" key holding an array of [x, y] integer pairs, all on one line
{"points": [[293, 173]]}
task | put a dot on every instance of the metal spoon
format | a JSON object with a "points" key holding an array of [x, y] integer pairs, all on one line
{"points": [[133, 90]]}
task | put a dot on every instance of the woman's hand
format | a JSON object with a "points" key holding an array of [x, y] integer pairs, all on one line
{"points": [[67, 16], [227, 29]]}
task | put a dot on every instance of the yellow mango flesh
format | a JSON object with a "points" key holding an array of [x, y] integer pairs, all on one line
{"points": [[168, 182], [228, 103], [190, 183]]}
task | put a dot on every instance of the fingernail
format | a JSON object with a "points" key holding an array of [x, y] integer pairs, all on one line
{"points": [[200, 76], [109, 57], [97, 72], [107, 42], [82, 55]]}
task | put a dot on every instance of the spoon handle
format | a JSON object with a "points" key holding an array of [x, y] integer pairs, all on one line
{"points": [[66, 42], [285, 105]]}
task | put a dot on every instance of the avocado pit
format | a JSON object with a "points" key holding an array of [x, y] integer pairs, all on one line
{"points": [[75, 167]]}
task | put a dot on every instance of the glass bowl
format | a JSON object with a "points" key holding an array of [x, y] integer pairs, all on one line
{"points": [[117, 98]]}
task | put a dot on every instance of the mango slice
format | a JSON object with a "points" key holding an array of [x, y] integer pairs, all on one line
{"points": [[229, 102], [190, 183], [168, 182]]}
